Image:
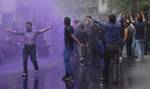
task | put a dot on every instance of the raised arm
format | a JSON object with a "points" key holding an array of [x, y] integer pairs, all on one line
{"points": [[14, 32], [100, 23], [143, 16], [120, 17], [131, 18], [45, 29]]}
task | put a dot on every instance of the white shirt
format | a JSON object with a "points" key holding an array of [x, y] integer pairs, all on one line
{"points": [[29, 38]]}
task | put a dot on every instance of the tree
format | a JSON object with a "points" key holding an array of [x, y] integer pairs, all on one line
{"points": [[130, 5]]}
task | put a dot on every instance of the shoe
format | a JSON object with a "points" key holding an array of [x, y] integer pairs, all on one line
{"points": [[102, 78], [67, 78], [138, 60], [24, 75], [81, 61], [120, 59], [101, 85]]}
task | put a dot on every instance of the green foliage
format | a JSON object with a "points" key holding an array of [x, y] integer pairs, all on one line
{"points": [[129, 5]]}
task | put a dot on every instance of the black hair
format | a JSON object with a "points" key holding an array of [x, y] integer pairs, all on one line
{"points": [[29, 22], [140, 19], [67, 21], [112, 18]]}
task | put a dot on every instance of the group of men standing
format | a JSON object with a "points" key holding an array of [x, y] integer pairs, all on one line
{"points": [[104, 40]]}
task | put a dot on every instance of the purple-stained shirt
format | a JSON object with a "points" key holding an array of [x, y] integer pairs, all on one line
{"points": [[29, 38]]}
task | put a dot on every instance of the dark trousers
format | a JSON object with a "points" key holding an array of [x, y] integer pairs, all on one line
{"points": [[129, 47], [112, 53], [29, 51]]}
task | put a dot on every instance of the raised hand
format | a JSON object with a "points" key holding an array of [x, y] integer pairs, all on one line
{"points": [[142, 13], [81, 45], [8, 30], [50, 27], [130, 13]]}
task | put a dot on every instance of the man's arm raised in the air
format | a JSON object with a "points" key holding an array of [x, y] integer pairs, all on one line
{"points": [[143, 16], [120, 17], [45, 29], [14, 32], [100, 23], [131, 18]]}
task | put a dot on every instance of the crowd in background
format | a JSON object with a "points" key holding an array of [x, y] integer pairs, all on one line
{"points": [[101, 41]]}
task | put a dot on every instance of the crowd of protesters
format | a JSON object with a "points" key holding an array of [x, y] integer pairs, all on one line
{"points": [[104, 41]]}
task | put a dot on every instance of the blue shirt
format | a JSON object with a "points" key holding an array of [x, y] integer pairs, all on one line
{"points": [[112, 32]]}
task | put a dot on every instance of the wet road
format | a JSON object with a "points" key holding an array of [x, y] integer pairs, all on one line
{"points": [[133, 76]]}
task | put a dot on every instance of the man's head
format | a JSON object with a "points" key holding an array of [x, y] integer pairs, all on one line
{"points": [[29, 26], [67, 21], [140, 19], [112, 19]]}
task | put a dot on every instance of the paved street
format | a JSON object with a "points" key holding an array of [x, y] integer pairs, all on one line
{"points": [[133, 76]]}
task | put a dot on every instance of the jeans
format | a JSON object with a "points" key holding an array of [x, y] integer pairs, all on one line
{"points": [[29, 51], [140, 49], [67, 54]]}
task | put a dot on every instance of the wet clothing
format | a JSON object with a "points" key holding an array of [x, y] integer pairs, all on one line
{"points": [[113, 39], [129, 40], [131, 31], [112, 32], [69, 46], [83, 38], [29, 50], [29, 38], [140, 38], [68, 39], [140, 30], [112, 54]]}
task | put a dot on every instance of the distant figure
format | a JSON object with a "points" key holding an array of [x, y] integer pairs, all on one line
{"points": [[82, 36], [29, 46], [139, 25], [129, 37]]}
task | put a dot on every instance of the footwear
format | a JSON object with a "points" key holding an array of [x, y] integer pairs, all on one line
{"points": [[138, 60], [120, 59], [102, 78], [24, 75], [81, 61], [101, 84], [66, 78]]}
